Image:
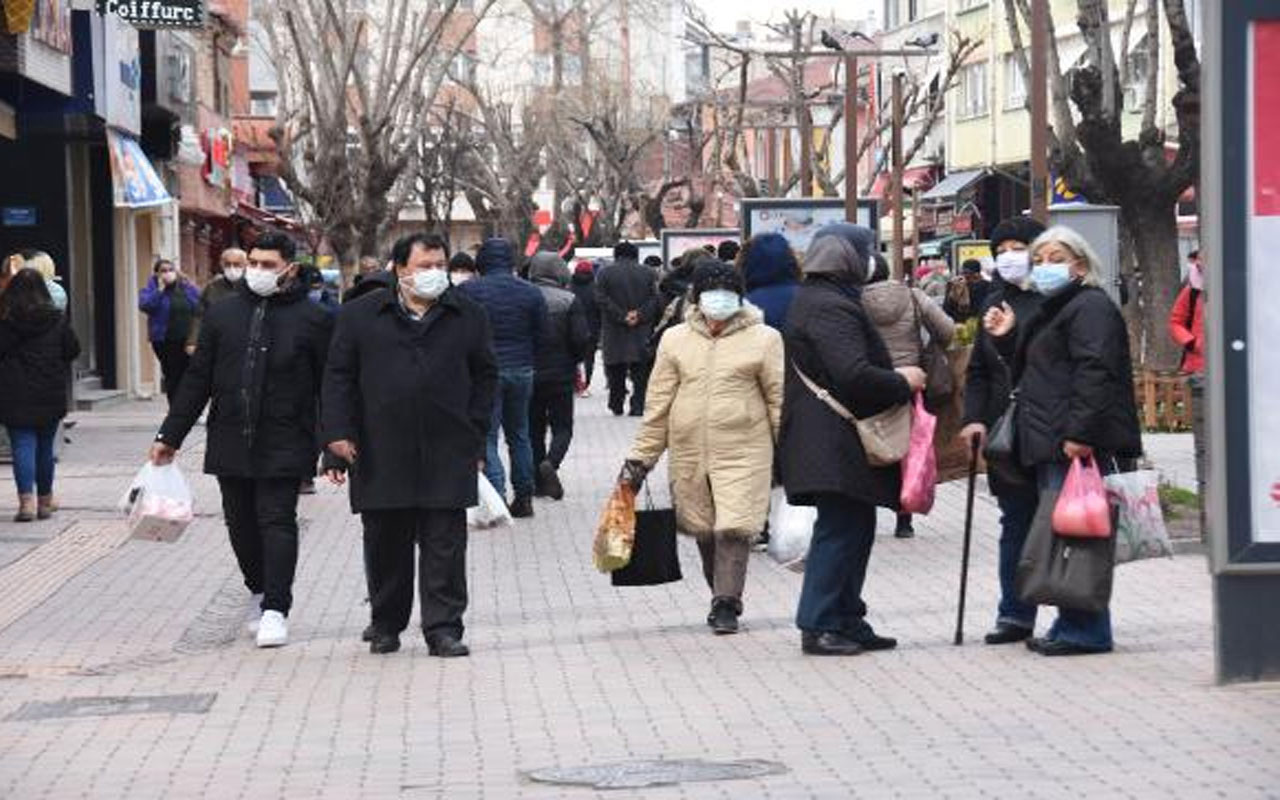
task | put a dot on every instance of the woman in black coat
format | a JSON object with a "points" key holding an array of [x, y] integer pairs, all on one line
{"points": [[1074, 375], [832, 342], [36, 350]]}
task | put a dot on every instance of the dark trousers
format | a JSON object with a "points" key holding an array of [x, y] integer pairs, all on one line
{"points": [[262, 519], [589, 363], [173, 364], [441, 536], [1017, 510], [724, 564], [836, 568], [33, 461], [617, 375], [551, 407]]}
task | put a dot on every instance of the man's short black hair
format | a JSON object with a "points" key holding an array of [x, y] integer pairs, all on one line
{"points": [[728, 250], [653, 261], [462, 262], [427, 241], [282, 244], [626, 250], [971, 266]]}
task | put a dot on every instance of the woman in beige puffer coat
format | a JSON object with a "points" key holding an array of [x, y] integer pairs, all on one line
{"points": [[714, 405]]}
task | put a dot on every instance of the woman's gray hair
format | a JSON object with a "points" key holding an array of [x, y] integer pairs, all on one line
{"points": [[1073, 241]]}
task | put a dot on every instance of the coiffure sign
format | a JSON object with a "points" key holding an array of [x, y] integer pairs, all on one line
{"points": [[156, 13]]}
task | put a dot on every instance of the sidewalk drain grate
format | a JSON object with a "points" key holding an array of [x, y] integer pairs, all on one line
{"points": [[72, 707], [661, 772]]}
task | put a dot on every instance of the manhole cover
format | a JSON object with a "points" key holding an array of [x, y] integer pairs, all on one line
{"points": [[114, 706], [639, 774]]}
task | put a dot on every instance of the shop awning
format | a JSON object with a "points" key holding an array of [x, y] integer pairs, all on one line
{"points": [[954, 184], [133, 178], [912, 178]]}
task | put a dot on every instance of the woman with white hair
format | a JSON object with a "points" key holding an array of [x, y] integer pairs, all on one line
{"points": [[1074, 376]]}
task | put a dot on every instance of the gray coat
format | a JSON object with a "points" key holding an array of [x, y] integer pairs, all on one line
{"points": [[621, 287], [566, 336]]}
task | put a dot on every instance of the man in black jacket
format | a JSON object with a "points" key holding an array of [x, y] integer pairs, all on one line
{"points": [[407, 402], [565, 340], [628, 295], [258, 363], [584, 288]]}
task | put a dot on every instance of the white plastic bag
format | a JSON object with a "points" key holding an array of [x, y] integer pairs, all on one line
{"points": [[790, 531], [158, 503], [491, 511], [1140, 529]]}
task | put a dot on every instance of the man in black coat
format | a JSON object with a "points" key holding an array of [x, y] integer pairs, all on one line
{"points": [[628, 295], [584, 288], [407, 402], [258, 363]]}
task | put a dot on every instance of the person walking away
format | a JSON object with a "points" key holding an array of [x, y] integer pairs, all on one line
{"points": [[462, 268], [584, 288], [517, 315], [714, 407], [831, 341], [1074, 375], [1186, 327], [408, 398], [37, 347], [903, 316], [988, 384], [170, 303], [258, 365], [565, 339], [231, 271], [42, 262], [628, 297], [772, 276]]}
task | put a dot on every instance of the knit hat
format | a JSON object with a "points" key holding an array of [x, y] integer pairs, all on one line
{"points": [[711, 274], [1019, 229], [496, 255], [583, 268]]}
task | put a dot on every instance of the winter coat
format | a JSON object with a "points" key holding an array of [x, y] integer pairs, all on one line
{"points": [[830, 338], [1186, 326], [258, 364], [769, 271], [371, 282], [414, 396], [899, 312], [565, 335], [35, 368], [1074, 378], [623, 286], [517, 311], [714, 405], [988, 378], [583, 287], [154, 301], [218, 289]]}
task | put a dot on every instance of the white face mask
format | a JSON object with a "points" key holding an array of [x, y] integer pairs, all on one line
{"points": [[233, 274], [460, 278], [1014, 266], [428, 284], [262, 282], [719, 304]]}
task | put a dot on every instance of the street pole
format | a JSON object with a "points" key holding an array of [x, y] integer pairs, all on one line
{"points": [[897, 176], [1039, 110], [851, 139]]}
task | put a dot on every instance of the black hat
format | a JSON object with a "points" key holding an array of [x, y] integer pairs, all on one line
{"points": [[1019, 229], [712, 274], [973, 266]]}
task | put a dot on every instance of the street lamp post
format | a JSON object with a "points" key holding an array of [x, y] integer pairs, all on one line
{"points": [[1039, 111], [851, 138]]}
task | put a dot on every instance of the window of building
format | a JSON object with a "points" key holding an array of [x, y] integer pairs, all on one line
{"points": [[1139, 66], [262, 104], [892, 14], [972, 91], [1015, 87], [913, 10], [463, 68], [966, 5]]}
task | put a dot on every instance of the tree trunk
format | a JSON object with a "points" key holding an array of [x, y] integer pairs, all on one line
{"points": [[1154, 229]]}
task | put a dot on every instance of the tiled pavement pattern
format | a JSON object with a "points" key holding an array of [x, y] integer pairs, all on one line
{"points": [[568, 671]]}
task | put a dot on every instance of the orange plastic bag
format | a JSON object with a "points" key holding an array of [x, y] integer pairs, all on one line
{"points": [[1082, 509], [616, 534]]}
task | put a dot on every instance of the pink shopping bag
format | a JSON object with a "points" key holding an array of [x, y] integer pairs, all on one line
{"points": [[1082, 509], [920, 467]]}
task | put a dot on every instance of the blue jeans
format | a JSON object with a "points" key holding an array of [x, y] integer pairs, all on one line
{"points": [[1017, 510], [33, 458], [831, 598], [511, 413], [1082, 628]]}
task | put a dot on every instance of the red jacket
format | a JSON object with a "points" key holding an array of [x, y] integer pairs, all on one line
{"points": [[1186, 326]]}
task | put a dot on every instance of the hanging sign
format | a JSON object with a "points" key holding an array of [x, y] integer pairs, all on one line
{"points": [[156, 13]]}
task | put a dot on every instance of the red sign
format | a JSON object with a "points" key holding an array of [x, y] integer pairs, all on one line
{"points": [[1266, 119]]}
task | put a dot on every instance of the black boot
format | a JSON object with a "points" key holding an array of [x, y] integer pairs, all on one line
{"points": [[724, 615], [549, 481], [522, 507]]}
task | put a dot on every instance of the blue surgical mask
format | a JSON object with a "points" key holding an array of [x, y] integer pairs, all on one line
{"points": [[719, 304], [315, 295], [1051, 276]]}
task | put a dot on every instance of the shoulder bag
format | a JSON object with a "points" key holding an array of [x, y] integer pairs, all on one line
{"points": [[886, 437], [939, 383]]}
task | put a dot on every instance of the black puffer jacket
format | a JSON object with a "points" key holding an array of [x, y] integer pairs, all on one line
{"points": [[35, 363], [987, 380], [259, 363], [1074, 378], [565, 335]]}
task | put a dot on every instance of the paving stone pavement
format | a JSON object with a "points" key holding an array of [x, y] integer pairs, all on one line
{"points": [[568, 671]]}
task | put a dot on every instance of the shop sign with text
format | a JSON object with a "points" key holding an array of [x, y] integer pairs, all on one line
{"points": [[156, 13]]}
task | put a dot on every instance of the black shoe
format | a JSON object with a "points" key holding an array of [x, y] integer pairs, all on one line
{"points": [[1056, 647], [617, 410], [637, 412], [905, 531], [1007, 633], [724, 615], [522, 507], [369, 633], [550, 481], [383, 643], [828, 644], [872, 641], [446, 646]]}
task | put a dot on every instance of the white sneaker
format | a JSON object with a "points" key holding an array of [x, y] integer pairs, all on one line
{"points": [[273, 631], [254, 615]]}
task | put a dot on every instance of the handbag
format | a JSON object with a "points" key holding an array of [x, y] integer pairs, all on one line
{"points": [[939, 383], [885, 437], [654, 558], [1001, 452], [1064, 571]]}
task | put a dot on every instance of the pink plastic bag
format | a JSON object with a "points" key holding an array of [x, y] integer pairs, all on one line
{"points": [[1082, 509], [920, 467]]}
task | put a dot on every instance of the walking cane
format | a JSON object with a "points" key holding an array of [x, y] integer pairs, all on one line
{"points": [[968, 537]]}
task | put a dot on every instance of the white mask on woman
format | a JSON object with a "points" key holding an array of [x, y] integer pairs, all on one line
{"points": [[1014, 266], [719, 304]]}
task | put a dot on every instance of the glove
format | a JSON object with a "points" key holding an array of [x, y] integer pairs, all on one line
{"points": [[633, 473]]}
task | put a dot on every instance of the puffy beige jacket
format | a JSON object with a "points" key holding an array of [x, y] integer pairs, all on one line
{"points": [[890, 307], [714, 405]]}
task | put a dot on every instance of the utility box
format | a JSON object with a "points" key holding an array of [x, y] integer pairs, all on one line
{"points": [[1100, 226]]}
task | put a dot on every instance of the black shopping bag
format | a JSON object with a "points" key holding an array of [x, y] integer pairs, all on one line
{"points": [[654, 559], [1064, 571]]}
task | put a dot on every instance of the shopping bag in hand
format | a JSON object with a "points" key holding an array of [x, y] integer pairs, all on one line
{"points": [[490, 511], [1082, 509], [920, 467], [158, 503], [1140, 529], [616, 534], [790, 531]]}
